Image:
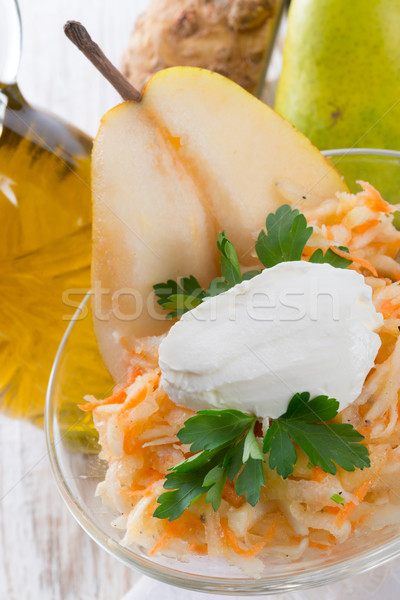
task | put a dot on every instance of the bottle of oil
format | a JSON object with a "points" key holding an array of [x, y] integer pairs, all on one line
{"points": [[45, 232]]}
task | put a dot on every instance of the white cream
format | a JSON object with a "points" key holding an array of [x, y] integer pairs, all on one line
{"points": [[295, 327]]}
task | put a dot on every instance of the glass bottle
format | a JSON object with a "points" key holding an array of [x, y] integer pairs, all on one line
{"points": [[45, 232]]}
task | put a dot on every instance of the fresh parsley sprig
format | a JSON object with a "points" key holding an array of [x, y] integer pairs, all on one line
{"points": [[226, 448], [285, 238], [230, 267], [326, 444], [179, 297], [331, 258], [188, 293]]}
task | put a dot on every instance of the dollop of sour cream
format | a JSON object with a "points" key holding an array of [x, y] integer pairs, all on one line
{"points": [[296, 327]]}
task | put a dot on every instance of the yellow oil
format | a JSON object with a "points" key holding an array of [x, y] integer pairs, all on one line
{"points": [[80, 370], [45, 238]]}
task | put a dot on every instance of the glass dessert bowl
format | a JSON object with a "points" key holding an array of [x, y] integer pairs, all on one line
{"points": [[79, 370]]}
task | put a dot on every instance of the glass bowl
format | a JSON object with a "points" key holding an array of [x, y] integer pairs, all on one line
{"points": [[78, 369]]}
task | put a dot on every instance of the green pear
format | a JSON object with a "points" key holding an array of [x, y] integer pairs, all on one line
{"points": [[340, 83]]}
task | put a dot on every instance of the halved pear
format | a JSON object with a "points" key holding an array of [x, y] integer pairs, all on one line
{"points": [[238, 150], [197, 155], [149, 225]]}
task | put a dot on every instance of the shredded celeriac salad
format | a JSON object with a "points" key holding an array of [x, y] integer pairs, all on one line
{"points": [[308, 510]]}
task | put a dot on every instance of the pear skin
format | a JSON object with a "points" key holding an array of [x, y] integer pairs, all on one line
{"points": [[340, 82]]}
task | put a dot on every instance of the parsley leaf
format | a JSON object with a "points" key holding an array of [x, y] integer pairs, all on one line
{"points": [[211, 429], [283, 455], [179, 297], [188, 293], [197, 461], [251, 448], [230, 268], [216, 287], [325, 444], [250, 274], [328, 445], [196, 476], [215, 478], [331, 258], [250, 481], [189, 487], [287, 234], [320, 408], [226, 448]]}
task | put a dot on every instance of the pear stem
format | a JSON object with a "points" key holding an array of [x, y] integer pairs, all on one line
{"points": [[79, 36]]}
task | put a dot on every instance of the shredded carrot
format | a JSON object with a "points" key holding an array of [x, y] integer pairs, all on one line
{"points": [[187, 523], [318, 474], [198, 548], [329, 233], [356, 259], [132, 493], [374, 200], [231, 496], [319, 545], [388, 307], [135, 400], [143, 491], [295, 539], [354, 267], [308, 251], [136, 371], [131, 445], [360, 229], [163, 541], [232, 541], [331, 509], [117, 398], [350, 507], [365, 431]]}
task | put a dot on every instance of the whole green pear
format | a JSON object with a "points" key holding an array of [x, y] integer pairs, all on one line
{"points": [[340, 83]]}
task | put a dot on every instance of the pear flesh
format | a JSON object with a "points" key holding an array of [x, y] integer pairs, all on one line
{"points": [[149, 225], [196, 156]]}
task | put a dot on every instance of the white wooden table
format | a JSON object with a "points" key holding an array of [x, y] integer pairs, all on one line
{"points": [[43, 552]]}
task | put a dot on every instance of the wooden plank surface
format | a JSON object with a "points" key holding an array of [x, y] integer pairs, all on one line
{"points": [[44, 553]]}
